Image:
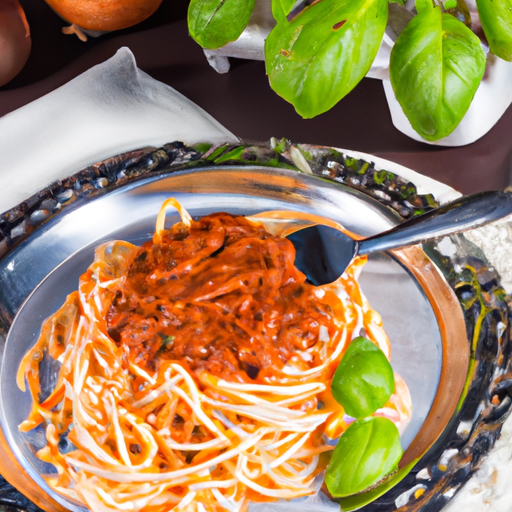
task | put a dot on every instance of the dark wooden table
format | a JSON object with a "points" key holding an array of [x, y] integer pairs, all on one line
{"points": [[243, 101]]}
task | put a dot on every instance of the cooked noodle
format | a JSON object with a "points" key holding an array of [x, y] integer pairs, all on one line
{"points": [[153, 426]]}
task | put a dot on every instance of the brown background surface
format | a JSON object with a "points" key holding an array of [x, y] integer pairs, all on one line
{"points": [[243, 101]]}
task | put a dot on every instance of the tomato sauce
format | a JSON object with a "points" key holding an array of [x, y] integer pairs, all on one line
{"points": [[222, 295]]}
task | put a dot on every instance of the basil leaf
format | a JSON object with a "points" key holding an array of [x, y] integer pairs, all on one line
{"points": [[450, 4], [363, 381], [496, 19], [322, 54], [422, 5], [359, 500], [367, 451], [281, 8], [435, 68], [215, 23], [167, 343]]}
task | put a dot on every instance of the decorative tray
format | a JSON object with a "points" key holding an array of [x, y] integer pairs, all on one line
{"points": [[460, 382]]}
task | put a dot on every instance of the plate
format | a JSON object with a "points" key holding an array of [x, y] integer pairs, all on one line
{"points": [[440, 348]]}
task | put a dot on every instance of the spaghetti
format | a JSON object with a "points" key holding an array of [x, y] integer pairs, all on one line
{"points": [[195, 371]]}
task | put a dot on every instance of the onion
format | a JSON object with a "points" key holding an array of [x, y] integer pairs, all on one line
{"points": [[15, 42], [104, 15]]}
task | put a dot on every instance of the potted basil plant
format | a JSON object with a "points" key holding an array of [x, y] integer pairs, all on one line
{"points": [[316, 54]]}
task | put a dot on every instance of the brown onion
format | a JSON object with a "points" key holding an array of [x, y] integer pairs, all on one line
{"points": [[104, 14], [15, 42]]}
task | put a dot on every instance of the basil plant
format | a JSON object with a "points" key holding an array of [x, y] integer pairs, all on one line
{"points": [[318, 55]]}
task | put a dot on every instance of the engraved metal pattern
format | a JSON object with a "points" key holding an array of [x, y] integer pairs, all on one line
{"points": [[488, 394]]}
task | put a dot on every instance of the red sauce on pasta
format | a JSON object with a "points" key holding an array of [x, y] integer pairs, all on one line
{"points": [[222, 295]]}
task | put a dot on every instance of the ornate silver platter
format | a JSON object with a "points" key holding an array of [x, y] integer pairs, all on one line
{"points": [[446, 314]]}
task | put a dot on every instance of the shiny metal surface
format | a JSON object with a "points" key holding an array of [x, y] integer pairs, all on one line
{"points": [[201, 191], [39, 274], [334, 250]]}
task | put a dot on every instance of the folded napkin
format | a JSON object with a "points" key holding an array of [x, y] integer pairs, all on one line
{"points": [[111, 108]]}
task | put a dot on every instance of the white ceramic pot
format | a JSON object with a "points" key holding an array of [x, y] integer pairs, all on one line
{"points": [[492, 98]]}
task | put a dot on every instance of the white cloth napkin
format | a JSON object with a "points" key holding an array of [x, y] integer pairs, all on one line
{"points": [[111, 108]]}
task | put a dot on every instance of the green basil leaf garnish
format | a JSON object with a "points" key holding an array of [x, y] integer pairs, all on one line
{"points": [[323, 53], [167, 344], [436, 66], [215, 23], [367, 451], [361, 499], [364, 380], [496, 19]]}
